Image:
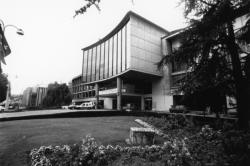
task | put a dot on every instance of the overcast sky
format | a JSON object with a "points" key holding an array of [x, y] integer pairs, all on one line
{"points": [[50, 50]]}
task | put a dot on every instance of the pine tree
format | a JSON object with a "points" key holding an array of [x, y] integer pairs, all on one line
{"points": [[212, 52]]}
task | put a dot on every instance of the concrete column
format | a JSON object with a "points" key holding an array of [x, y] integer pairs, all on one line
{"points": [[96, 95], [142, 103], [119, 93]]}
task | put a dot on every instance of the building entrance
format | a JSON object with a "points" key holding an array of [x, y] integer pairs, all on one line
{"points": [[148, 103]]}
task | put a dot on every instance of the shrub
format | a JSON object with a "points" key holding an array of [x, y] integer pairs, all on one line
{"points": [[89, 153]]}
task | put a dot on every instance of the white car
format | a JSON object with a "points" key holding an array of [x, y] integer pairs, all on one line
{"points": [[65, 107], [87, 105], [2, 108]]}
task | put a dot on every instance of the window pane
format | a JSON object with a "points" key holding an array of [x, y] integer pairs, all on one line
{"points": [[119, 52], [123, 49], [98, 63], [102, 61], [93, 64], [115, 55], [110, 57], [84, 67], [106, 58], [89, 65]]}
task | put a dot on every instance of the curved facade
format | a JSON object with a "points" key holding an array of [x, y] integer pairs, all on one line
{"points": [[135, 44], [121, 68], [108, 58]]}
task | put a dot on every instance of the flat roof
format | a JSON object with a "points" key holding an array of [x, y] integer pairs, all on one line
{"points": [[80, 75]]}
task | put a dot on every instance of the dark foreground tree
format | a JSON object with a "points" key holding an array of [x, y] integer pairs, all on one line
{"points": [[211, 51], [3, 87], [57, 95]]}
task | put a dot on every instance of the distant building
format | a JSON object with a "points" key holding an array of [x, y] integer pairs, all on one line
{"points": [[33, 96], [70, 87]]}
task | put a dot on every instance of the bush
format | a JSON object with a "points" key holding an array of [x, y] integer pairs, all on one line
{"points": [[186, 145], [89, 153]]}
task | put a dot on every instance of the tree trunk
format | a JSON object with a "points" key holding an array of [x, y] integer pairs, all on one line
{"points": [[240, 85]]}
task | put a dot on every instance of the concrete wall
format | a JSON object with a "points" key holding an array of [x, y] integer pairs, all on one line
{"points": [[108, 103], [161, 93], [145, 46]]}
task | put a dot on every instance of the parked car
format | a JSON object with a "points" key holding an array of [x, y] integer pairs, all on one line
{"points": [[86, 105], [2, 108], [65, 107], [72, 106], [178, 109]]}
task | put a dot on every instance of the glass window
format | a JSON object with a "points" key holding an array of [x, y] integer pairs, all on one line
{"points": [[93, 64], [128, 45], [106, 58], [102, 61], [119, 52], [89, 65], [110, 57], [84, 67], [115, 55], [98, 62], [124, 48]]}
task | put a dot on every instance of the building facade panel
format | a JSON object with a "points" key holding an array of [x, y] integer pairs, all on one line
{"points": [[93, 61], [84, 66], [145, 46], [98, 58], [110, 67], [106, 66]]}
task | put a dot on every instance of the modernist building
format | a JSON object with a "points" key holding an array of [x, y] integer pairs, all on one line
{"points": [[121, 68]]}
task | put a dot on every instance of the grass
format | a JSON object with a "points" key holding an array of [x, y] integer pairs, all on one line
{"points": [[17, 138]]}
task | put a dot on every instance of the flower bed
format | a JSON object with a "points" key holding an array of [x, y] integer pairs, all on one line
{"points": [[89, 153], [185, 145]]}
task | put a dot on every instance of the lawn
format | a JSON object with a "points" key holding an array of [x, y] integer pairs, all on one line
{"points": [[18, 137]]}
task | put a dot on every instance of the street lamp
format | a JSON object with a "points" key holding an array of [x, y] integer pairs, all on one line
{"points": [[19, 30]]}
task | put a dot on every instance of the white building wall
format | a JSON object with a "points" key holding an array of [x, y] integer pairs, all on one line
{"points": [[145, 43], [162, 98], [108, 102]]}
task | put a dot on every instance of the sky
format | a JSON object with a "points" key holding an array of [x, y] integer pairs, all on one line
{"points": [[50, 49]]}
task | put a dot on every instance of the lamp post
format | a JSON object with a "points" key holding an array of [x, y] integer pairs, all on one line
{"points": [[19, 30], [4, 51], [4, 47]]}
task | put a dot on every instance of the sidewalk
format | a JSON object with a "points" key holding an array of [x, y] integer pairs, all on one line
{"points": [[43, 114], [63, 113]]}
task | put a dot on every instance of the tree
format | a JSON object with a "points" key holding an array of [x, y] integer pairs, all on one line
{"points": [[57, 95], [211, 51], [3, 87]]}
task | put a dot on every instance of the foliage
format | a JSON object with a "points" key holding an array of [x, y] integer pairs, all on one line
{"points": [[3, 87], [225, 146], [172, 152], [57, 95], [211, 53], [170, 122], [88, 5], [186, 145]]}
